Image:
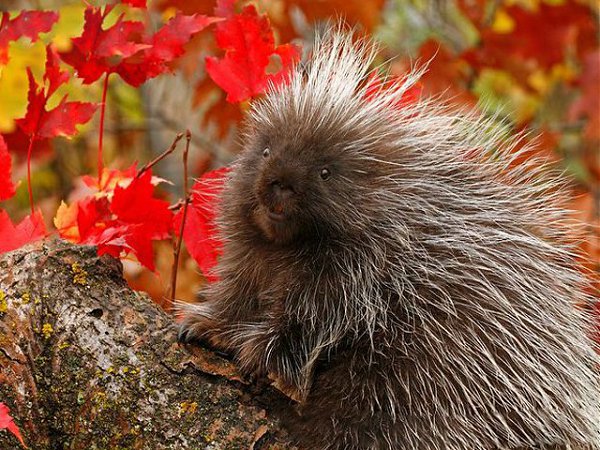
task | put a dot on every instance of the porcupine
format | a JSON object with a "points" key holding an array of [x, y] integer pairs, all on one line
{"points": [[402, 267]]}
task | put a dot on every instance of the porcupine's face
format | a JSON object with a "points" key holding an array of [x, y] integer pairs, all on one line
{"points": [[302, 187], [313, 166]]}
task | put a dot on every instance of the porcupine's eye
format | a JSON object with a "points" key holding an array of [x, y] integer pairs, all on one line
{"points": [[325, 174], [266, 152]]}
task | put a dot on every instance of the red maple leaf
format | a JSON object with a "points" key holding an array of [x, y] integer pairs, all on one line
{"points": [[7, 422], [27, 24], [109, 179], [18, 142], [84, 221], [7, 187], [125, 48], [39, 123], [249, 45], [93, 217], [98, 51], [126, 219], [162, 48], [445, 73], [30, 229], [135, 3], [136, 205], [200, 234]]}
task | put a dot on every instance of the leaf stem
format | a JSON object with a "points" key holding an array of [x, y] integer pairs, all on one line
{"points": [[101, 133], [177, 247], [162, 156], [29, 189]]}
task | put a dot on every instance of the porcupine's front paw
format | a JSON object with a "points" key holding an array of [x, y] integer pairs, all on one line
{"points": [[198, 323], [188, 333]]}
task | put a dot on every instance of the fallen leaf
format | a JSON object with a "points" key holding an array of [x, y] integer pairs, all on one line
{"points": [[7, 422]]}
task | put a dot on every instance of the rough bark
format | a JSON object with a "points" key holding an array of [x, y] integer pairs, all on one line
{"points": [[87, 363]]}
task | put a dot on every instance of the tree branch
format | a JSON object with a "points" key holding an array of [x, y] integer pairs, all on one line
{"points": [[85, 362]]}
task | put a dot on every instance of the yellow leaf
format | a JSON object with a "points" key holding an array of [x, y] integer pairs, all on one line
{"points": [[70, 25], [13, 80], [66, 221], [564, 72], [503, 23], [542, 81]]}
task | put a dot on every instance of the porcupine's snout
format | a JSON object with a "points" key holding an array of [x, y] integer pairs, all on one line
{"points": [[279, 193]]}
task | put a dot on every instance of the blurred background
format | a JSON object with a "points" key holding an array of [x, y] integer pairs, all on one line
{"points": [[536, 61]]}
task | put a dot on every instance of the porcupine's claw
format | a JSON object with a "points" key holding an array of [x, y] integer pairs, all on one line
{"points": [[186, 335]]}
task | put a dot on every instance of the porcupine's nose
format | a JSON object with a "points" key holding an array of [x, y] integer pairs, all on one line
{"points": [[282, 190]]}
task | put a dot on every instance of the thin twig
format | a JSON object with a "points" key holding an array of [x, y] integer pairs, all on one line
{"points": [[101, 133], [178, 205], [29, 188], [177, 246], [162, 156], [491, 14], [206, 144]]}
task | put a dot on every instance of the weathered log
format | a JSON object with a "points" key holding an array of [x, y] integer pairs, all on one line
{"points": [[87, 363]]}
